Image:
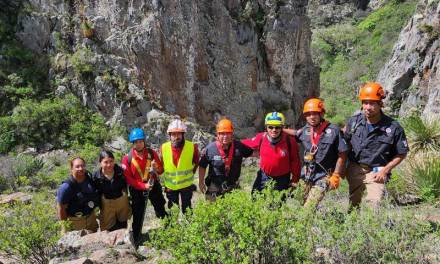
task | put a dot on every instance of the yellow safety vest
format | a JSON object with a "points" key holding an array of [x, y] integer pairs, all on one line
{"points": [[182, 176]]}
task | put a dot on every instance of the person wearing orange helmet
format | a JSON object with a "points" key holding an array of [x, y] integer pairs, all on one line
{"points": [[377, 145], [325, 152], [224, 158], [180, 159]]}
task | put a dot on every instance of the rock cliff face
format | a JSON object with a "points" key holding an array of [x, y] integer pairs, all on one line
{"points": [[197, 59], [412, 75], [324, 13]]}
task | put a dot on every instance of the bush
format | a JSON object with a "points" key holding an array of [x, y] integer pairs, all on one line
{"points": [[239, 229], [422, 173], [82, 61], [53, 178], [7, 136], [18, 171], [22, 73], [63, 122], [423, 134], [29, 232], [235, 230]]}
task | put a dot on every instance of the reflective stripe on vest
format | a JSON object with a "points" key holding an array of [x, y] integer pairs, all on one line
{"points": [[182, 176], [146, 174]]}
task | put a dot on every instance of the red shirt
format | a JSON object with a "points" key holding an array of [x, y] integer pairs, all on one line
{"points": [[275, 159], [131, 174], [176, 156]]}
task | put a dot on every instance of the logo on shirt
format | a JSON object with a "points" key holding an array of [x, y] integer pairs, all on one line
{"points": [[217, 157], [328, 131], [283, 153], [388, 130]]}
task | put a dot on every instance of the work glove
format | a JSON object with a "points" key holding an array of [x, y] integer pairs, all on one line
{"points": [[334, 180]]}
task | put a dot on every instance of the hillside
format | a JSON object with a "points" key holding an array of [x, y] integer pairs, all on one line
{"points": [[76, 75]]}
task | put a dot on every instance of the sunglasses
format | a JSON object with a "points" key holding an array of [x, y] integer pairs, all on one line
{"points": [[274, 127]]}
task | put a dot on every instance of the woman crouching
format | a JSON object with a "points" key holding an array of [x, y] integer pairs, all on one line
{"points": [[77, 198]]}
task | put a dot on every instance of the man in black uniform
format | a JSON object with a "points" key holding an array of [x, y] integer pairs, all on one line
{"points": [[224, 158], [325, 152], [378, 144]]}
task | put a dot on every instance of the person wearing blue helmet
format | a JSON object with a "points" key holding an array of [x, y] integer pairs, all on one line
{"points": [[141, 167]]}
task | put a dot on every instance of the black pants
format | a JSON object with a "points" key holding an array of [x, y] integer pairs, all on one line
{"points": [[185, 195], [138, 204], [281, 182]]}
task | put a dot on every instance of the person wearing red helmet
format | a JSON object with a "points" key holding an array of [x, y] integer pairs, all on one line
{"points": [[377, 145], [325, 152], [224, 158], [180, 159]]}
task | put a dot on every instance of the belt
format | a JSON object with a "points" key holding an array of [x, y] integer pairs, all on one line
{"points": [[80, 215], [112, 196], [365, 166]]}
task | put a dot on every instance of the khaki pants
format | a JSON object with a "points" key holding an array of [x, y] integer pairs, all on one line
{"points": [[360, 180], [82, 222], [113, 210], [314, 193]]}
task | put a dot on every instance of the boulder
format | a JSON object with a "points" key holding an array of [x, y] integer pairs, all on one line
{"points": [[15, 197]]}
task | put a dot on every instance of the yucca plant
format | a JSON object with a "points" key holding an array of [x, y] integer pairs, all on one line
{"points": [[422, 174], [423, 133]]}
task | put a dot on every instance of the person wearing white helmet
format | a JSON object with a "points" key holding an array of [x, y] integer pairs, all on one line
{"points": [[180, 160]]}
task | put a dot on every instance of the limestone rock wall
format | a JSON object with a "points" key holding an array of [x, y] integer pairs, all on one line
{"points": [[198, 59], [412, 75]]}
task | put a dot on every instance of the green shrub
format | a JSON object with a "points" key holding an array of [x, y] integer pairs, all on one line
{"points": [[82, 61], [54, 177], [366, 236], [7, 136], [19, 171], [90, 154], [239, 229], [29, 232], [22, 73], [423, 134], [63, 122], [422, 171], [236, 230]]}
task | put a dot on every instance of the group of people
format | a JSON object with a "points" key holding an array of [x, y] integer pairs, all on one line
{"points": [[365, 151]]}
